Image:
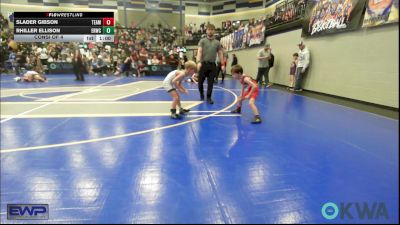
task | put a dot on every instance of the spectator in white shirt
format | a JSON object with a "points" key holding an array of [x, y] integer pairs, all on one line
{"points": [[155, 60], [302, 65]]}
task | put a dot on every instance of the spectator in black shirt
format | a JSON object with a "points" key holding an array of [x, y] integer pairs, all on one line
{"points": [[234, 60]]}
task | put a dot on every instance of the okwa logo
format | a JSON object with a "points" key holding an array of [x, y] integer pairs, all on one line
{"points": [[363, 211]]}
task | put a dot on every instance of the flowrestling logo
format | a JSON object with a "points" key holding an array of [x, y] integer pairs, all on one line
{"points": [[352, 210]]}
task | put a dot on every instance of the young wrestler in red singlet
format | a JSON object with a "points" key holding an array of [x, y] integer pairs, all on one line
{"points": [[251, 93]]}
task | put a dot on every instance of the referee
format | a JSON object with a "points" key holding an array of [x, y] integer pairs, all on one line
{"points": [[206, 56]]}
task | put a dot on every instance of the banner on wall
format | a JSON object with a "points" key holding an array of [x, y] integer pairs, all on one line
{"points": [[381, 12], [286, 11], [247, 36], [332, 16]]}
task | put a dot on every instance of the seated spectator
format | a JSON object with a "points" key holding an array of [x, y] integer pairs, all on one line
{"points": [[128, 64], [143, 55], [163, 60], [20, 62], [37, 64], [12, 60], [43, 55], [173, 61], [63, 58], [98, 65], [29, 61], [115, 56], [155, 60], [53, 53], [107, 61], [50, 59], [141, 67], [149, 60], [69, 59]]}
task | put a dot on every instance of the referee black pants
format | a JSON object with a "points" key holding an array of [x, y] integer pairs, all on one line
{"points": [[207, 70], [219, 70]]}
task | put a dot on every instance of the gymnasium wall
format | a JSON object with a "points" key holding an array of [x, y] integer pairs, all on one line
{"points": [[196, 13], [147, 18], [229, 6], [361, 65], [195, 19]]}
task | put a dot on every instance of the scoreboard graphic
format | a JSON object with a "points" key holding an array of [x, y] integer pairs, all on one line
{"points": [[64, 26]]}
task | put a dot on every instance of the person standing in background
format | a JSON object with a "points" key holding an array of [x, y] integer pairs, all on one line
{"points": [[292, 72], [264, 55], [234, 60], [302, 65]]}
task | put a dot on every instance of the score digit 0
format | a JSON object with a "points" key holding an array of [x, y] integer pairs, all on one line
{"points": [[108, 21], [108, 30]]}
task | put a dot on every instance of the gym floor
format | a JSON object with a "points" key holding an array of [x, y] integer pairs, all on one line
{"points": [[106, 151]]}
